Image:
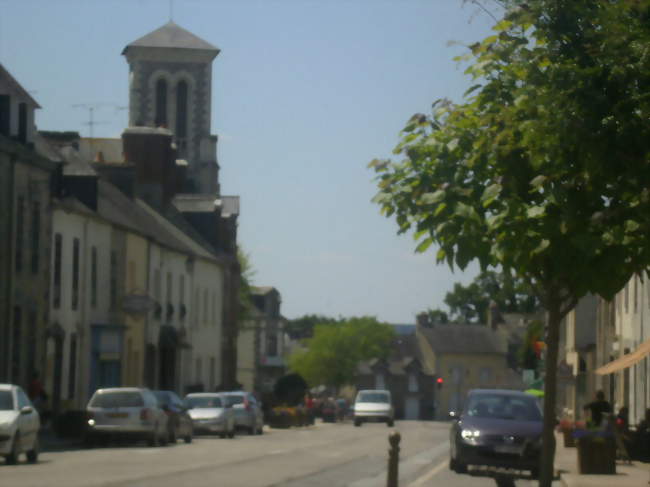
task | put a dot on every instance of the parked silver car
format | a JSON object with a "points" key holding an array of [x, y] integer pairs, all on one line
{"points": [[126, 412], [211, 413], [248, 411], [19, 425]]}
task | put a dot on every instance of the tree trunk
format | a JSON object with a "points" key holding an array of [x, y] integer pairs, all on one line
{"points": [[550, 382]]}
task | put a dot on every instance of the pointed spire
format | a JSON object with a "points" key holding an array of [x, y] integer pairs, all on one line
{"points": [[172, 36]]}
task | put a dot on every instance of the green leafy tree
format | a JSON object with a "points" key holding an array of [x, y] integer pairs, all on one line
{"points": [[437, 317], [336, 349], [246, 282], [303, 327], [528, 352], [544, 170], [469, 304]]}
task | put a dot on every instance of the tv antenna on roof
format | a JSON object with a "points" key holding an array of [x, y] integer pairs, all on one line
{"points": [[171, 10], [91, 107]]}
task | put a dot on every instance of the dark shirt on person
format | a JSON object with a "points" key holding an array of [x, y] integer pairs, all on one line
{"points": [[597, 409]]}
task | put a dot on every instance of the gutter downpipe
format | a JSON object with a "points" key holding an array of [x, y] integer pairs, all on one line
{"points": [[8, 327], [145, 333], [85, 330]]}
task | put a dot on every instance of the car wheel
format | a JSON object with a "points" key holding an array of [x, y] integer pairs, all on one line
{"points": [[32, 455], [88, 441], [251, 430], [504, 481], [357, 422], [188, 437], [165, 438], [12, 458], [172, 435], [154, 440], [390, 423], [261, 430]]}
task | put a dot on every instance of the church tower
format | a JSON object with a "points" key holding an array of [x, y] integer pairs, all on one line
{"points": [[170, 80]]}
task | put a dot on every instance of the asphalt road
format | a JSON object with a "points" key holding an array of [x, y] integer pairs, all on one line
{"points": [[324, 455]]}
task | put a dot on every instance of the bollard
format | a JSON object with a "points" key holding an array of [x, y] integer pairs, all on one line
{"points": [[393, 459]]}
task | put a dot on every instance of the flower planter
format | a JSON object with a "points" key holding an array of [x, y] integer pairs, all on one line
{"points": [[569, 440], [596, 452]]}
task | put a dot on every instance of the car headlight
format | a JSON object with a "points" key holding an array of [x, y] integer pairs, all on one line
{"points": [[470, 434]]}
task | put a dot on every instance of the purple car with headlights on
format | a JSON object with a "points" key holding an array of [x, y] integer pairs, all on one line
{"points": [[497, 428]]}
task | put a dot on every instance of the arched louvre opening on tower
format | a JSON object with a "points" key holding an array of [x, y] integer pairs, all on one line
{"points": [[161, 103], [181, 117]]}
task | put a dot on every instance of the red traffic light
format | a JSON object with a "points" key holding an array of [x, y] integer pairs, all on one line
{"points": [[440, 380]]}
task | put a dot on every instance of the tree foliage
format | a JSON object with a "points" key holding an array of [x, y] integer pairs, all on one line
{"points": [[544, 170], [303, 327], [527, 355], [246, 281], [470, 304], [336, 349]]}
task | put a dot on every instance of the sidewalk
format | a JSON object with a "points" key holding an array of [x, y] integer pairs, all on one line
{"points": [[636, 474]]}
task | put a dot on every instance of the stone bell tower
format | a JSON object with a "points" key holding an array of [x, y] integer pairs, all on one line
{"points": [[170, 80]]}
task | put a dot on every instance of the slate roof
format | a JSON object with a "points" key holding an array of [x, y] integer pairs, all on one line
{"points": [[195, 203], [470, 339], [111, 149], [404, 351], [17, 86], [261, 290], [172, 35]]}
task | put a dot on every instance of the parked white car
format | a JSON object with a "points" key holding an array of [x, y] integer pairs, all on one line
{"points": [[211, 413], [126, 412], [374, 405], [19, 425], [248, 411]]}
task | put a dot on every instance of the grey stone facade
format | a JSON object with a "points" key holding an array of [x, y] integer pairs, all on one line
{"points": [[25, 215], [173, 55]]}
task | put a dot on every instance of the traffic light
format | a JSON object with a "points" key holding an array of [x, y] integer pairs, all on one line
{"points": [[440, 381]]}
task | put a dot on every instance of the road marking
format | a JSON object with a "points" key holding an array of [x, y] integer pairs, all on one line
{"points": [[426, 477]]}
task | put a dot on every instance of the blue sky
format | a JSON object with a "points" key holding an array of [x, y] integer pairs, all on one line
{"points": [[305, 94]]}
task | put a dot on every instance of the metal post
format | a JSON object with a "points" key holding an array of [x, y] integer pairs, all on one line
{"points": [[393, 459]]}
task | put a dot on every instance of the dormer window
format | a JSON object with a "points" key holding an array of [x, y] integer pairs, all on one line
{"points": [[5, 115], [22, 123]]}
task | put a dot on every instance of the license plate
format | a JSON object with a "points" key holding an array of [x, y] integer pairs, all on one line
{"points": [[512, 449], [118, 415]]}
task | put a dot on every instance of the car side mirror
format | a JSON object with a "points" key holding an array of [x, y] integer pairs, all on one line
{"points": [[26, 410]]}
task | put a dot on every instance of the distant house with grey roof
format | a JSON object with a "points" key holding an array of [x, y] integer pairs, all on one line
{"points": [[261, 344], [464, 357], [405, 374]]}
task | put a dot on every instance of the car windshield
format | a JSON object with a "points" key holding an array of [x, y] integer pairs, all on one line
{"points": [[122, 399], [6, 401], [372, 397], [163, 397], [199, 402], [501, 406], [232, 400]]}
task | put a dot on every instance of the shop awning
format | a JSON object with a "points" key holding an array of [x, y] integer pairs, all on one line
{"points": [[626, 360]]}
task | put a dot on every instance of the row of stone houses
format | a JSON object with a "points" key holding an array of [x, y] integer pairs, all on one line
{"points": [[432, 367], [605, 345], [119, 262], [262, 344]]}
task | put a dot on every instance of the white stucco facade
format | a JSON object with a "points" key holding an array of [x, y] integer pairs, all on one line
{"points": [[632, 317], [79, 301]]}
